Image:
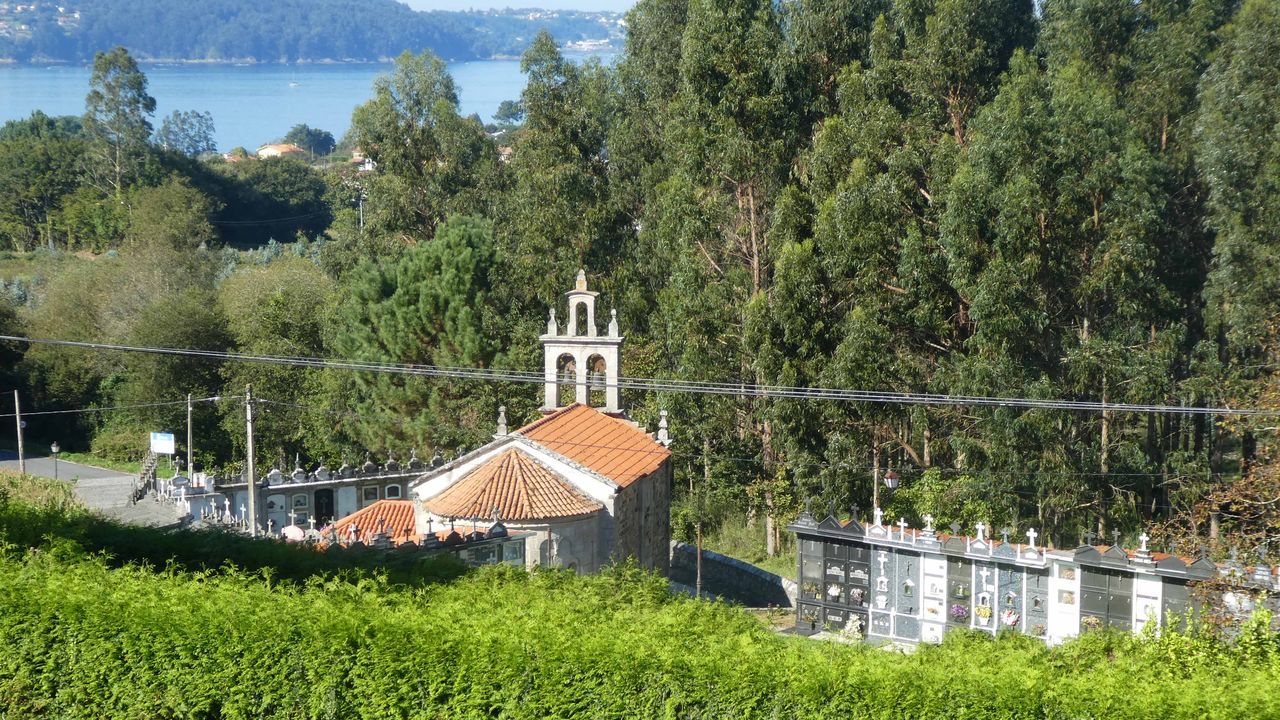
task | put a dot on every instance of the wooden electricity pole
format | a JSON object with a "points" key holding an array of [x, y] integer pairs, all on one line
{"points": [[252, 484], [188, 436], [17, 416]]}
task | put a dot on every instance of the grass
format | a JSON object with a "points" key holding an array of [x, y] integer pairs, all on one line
{"points": [[738, 539]]}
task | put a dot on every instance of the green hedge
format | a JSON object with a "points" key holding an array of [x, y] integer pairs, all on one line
{"points": [[88, 636], [84, 640]]}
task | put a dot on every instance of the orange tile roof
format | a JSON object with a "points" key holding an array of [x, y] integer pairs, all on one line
{"points": [[395, 517], [518, 486], [614, 448]]}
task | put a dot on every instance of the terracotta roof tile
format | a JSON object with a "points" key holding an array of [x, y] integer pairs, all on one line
{"points": [[614, 448], [518, 486], [395, 517]]}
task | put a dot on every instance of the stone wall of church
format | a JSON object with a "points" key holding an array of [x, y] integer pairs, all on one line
{"points": [[642, 520]]}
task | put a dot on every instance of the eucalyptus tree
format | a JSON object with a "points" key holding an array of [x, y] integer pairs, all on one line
{"points": [[431, 161], [116, 120]]}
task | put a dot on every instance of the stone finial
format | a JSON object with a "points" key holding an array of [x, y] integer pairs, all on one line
{"points": [[581, 283], [1031, 538], [502, 419], [664, 437], [613, 322], [552, 329]]}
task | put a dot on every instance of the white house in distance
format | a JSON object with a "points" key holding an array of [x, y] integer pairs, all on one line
{"points": [[589, 485]]}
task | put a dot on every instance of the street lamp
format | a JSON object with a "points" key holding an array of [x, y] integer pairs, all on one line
{"points": [[891, 480], [55, 450]]}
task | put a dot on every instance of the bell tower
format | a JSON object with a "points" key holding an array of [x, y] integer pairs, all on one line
{"points": [[581, 356]]}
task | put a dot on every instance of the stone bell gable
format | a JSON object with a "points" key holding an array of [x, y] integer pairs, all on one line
{"points": [[580, 356]]}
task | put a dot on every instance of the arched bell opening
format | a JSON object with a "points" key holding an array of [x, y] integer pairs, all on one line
{"points": [[597, 380], [566, 379]]}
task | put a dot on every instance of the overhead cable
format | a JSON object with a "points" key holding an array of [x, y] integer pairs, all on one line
{"points": [[670, 385]]}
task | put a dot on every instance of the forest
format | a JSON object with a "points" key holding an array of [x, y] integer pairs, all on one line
{"points": [[280, 31], [1074, 200]]}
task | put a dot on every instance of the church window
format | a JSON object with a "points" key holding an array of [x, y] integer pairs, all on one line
{"points": [[393, 492]]}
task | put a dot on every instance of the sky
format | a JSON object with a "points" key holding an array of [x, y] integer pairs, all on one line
{"points": [[616, 5]]}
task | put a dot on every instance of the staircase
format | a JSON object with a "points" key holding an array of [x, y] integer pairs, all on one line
{"points": [[146, 477]]}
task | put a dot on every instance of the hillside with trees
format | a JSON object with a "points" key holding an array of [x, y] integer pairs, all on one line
{"points": [[1078, 200], [280, 31]]}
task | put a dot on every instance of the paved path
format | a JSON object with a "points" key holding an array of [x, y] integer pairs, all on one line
{"points": [[106, 491]]}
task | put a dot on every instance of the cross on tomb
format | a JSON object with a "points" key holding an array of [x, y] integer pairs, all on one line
{"points": [[1143, 538], [955, 528], [984, 573], [879, 515], [1115, 537], [808, 506], [1089, 537], [928, 523], [855, 513], [982, 531], [1004, 535], [902, 529], [1031, 537]]}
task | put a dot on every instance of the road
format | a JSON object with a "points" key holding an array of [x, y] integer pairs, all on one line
{"points": [[106, 491]]}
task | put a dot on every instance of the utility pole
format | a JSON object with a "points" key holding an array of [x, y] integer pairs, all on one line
{"points": [[188, 435], [252, 484], [17, 415]]}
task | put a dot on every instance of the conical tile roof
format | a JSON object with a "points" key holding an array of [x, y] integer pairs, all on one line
{"points": [[518, 486]]}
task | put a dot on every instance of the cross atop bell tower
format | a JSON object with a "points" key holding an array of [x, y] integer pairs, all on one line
{"points": [[581, 356]]}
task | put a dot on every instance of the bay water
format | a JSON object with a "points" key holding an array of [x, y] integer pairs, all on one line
{"points": [[255, 104]]}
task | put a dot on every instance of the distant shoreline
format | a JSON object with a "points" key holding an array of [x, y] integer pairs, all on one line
{"points": [[10, 62]]}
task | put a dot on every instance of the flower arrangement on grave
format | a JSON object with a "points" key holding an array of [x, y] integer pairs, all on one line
{"points": [[983, 613], [959, 613], [833, 590], [1037, 630], [1009, 618], [811, 589], [1090, 622]]}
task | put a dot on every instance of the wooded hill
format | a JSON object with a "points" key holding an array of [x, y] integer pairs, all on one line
{"points": [[284, 31], [937, 196]]}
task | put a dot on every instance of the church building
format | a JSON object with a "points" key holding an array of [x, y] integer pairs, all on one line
{"points": [[584, 484]]}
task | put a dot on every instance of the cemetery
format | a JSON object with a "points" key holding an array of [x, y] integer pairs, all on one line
{"points": [[889, 583]]}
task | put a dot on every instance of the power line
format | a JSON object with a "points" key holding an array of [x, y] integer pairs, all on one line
{"points": [[839, 465], [668, 385], [110, 408]]}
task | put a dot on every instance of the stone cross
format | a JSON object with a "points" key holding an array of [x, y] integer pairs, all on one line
{"points": [[1115, 537], [928, 522], [1089, 537], [854, 509], [982, 531], [1143, 538], [1004, 535], [902, 529], [955, 528], [1031, 537], [808, 506], [879, 514], [984, 573]]}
